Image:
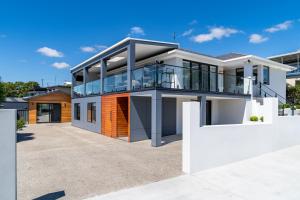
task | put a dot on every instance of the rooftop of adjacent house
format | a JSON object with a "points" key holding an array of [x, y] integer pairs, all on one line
{"points": [[14, 100], [47, 93]]}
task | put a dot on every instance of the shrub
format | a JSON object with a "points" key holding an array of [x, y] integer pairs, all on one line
{"points": [[262, 118], [254, 118], [20, 124], [283, 106], [297, 106]]}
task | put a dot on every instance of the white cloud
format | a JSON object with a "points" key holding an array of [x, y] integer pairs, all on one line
{"points": [[193, 22], [280, 27], [88, 49], [60, 65], [136, 30], [187, 32], [215, 33], [256, 38], [46, 51]]}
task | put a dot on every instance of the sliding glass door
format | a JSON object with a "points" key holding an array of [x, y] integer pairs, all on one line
{"points": [[48, 112]]}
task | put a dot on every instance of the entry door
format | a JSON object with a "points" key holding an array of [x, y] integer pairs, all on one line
{"points": [[208, 112], [107, 115], [55, 112]]}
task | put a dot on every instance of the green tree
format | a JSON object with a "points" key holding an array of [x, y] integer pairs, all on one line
{"points": [[293, 94], [19, 89]]}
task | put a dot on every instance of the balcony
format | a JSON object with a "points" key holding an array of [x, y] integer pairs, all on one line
{"points": [[162, 76], [171, 77]]}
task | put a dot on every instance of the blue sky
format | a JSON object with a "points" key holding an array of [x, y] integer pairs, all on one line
{"points": [[43, 39]]}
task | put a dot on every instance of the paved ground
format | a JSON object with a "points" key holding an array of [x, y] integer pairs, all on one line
{"points": [[60, 160], [273, 176]]}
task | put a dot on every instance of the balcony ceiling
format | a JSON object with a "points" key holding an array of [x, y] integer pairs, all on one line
{"points": [[142, 51]]}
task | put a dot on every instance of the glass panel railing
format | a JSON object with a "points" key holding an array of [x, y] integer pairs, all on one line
{"points": [[202, 78], [93, 87], [78, 90], [115, 83]]}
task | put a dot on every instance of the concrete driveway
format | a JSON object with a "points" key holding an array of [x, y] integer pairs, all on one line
{"points": [[274, 176], [58, 160]]}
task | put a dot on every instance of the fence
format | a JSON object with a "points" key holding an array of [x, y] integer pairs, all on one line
{"points": [[212, 146]]}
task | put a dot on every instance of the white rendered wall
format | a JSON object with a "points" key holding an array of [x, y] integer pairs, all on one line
{"points": [[230, 111], [8, 177], [212, 146], [179, 101], [278, 81]]}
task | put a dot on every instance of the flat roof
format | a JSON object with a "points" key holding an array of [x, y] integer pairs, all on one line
{"points": [[285, 54]]}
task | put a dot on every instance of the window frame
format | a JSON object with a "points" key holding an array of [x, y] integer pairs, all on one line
{"points": [[266, 80], [91, 112], [239, 81], [77, 112]]}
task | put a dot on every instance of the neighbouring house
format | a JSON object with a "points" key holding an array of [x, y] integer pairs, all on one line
{"points": [[292, 59], [136, 88], [52, 105], [17, 103]]}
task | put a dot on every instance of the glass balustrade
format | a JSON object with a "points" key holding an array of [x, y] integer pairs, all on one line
{"points": [[93, 87], [198, 78], [206, 79], [78, 90], [115, 83]]}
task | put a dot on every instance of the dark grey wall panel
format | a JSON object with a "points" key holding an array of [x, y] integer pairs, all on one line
{"points": [[83, 123], [168, 116], [140, 118]]}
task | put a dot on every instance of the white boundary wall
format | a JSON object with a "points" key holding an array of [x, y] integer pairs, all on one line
{"points": [[212, 146], [8, 154]]}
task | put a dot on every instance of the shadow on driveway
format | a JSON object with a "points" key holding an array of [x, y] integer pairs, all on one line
{"points": [[21, 137], [52, 196]]}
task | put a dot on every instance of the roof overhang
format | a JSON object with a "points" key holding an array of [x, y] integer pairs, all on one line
{"points": [[255, 60], [294, 53], [144, 49]]}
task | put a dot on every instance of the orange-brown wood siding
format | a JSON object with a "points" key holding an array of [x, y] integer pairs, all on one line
{"points": [[115, 121], [63, 99]]}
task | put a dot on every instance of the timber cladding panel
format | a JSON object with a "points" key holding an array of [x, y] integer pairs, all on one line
{"points": [[61, 98], [115, 118]]}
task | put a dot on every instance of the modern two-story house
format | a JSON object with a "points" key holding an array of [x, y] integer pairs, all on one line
{"points": [[135, 88]]}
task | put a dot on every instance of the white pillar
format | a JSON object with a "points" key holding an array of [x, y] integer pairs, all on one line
{"points": [[248, 73]]}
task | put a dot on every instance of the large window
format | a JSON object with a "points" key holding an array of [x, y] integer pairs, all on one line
{"points": [[239, 76], [255, 75], [77, 111], [91, 112], [266, 75]]}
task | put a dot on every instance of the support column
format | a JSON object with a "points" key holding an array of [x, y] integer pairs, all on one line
{"points": [[102, 75], [202, 100], [156, 119], [73, 85], [260, 77], [248, 83], [85, 80], [130, 63]]}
